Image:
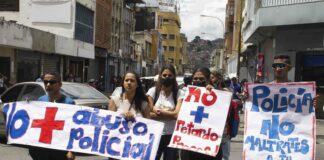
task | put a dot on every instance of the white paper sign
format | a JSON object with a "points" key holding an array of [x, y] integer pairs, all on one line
{"points": [[81, 129], [280, 122], [201, 120]]}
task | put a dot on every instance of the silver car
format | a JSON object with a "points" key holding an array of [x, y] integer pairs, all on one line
{"points": [[82, 94]]}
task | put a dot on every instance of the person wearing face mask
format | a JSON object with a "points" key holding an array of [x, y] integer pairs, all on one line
{"points": [[216, 79], [201, 78], [166, 100]]}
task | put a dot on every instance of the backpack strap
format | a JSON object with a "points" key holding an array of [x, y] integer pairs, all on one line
{"points": [[156, 96]]}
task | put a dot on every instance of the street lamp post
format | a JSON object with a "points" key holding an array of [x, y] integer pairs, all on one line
{"points": [[223, 25]]}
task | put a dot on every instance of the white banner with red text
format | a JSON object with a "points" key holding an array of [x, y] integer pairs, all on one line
{"points": [[81, 129], [280, 122], [201, 120]]}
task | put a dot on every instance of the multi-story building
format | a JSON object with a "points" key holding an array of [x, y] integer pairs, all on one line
{"points": [[145, 63], [168, 24], [293, 28], [231, 59], [157, 50], [121, 52], [100, 70], [184, 68], [40, 36]]}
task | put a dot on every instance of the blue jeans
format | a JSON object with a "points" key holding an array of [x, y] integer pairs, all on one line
{"points": [[226, 147], [168, 153]]}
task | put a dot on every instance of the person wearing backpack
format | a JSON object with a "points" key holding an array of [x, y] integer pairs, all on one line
{"points": [[166, 100]]}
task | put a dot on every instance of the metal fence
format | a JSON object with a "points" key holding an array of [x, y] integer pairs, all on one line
{"points": [[271, 3]]}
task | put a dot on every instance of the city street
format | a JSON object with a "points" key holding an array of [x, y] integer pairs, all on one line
{"points": [[9, 152]]}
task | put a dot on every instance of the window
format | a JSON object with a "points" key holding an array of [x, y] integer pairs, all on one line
{"points": [[171, 36], [147, 49], [9, 5], [84, 21], [32, 92], [165, 20], [171, 48], [12, 94], [164, 36], [165, 48]]}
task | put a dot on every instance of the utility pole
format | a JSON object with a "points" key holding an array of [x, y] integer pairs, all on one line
{"points": [[239, 39]]}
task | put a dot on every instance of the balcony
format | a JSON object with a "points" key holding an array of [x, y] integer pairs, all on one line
{"points": [[269, 14]]}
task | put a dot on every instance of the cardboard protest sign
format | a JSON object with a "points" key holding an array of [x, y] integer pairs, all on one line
{"points": [[201, 120], [81, 129], [280, 122]]}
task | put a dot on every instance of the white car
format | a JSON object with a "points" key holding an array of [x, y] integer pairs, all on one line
{"points": [[82, 94]]}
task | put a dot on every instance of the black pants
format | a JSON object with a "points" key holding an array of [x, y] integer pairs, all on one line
{"points": [[38, 153], [168, 153], [189, 155]]}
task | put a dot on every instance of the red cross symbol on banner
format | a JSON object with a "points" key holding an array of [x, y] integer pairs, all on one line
{"points": [[47, 125]]}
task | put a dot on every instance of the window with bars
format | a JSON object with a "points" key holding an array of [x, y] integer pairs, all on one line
{"points": [[84, 22], [171, 48], [171, 36]]}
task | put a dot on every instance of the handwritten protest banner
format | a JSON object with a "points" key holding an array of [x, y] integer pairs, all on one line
{"points": [[280, 122], [81, 129], [201, 120]]}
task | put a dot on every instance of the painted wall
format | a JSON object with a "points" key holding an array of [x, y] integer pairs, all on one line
{"points": [[30, 8], [302, 13]]}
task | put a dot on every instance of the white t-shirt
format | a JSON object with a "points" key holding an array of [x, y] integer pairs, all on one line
{"points": [[123, 106], [165, 103]]}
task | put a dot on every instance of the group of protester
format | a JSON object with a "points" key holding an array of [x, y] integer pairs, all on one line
{"points": [[162, 103]]}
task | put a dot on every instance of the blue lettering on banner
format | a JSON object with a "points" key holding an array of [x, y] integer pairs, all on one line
{"points": [[85, 142], [109, 147], [103, 143], [103, 140], [140, 129], [273, 128], [21, 115], [14, 117], [10, 116], [279, 103], [293, 145]]}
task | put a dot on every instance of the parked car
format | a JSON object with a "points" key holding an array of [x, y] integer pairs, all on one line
{"points": [[82, 94]]}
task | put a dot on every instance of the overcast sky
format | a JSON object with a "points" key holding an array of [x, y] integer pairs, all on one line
{"points": [[192, 24]]}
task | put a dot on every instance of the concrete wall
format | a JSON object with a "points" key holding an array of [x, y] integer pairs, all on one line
{"points": [[71, 47], [303, 13], [299, 39], [270, 49], [27, 7]]}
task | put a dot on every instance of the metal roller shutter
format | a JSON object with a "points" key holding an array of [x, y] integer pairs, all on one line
{"points": [[51, 63]]}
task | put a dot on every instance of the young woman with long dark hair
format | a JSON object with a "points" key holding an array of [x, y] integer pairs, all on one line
{"points": [[166, 100], [132, 101]]}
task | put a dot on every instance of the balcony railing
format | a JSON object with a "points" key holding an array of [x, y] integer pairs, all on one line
{"points": [[272, 3]]}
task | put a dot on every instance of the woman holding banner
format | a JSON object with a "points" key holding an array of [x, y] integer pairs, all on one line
{"points": [[132, 102], [201, 78], [166, 100]]}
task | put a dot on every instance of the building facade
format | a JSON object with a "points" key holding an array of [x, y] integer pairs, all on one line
{"points": [[35, 40], [168, 24]]}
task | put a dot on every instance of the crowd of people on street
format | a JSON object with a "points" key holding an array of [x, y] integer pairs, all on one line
{"points": [[162, 102]]}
